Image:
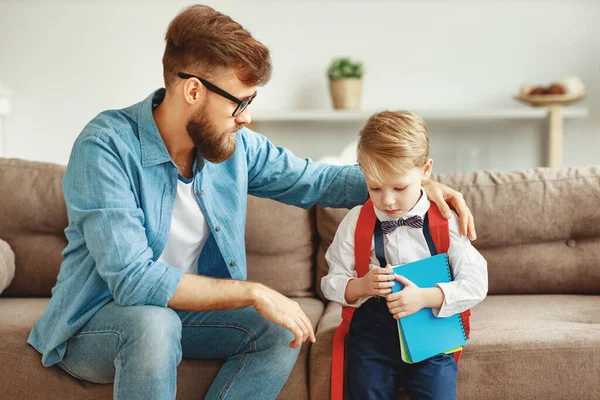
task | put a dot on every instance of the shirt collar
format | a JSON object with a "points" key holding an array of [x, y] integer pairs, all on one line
{"points": [[420, 209], [154, 150]]}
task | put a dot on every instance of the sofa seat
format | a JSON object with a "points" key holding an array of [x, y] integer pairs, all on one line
{"points": [[521, 347], [24, 377]]}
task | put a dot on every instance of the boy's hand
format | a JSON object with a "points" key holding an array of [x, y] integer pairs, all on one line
{"points": [[378, 281], [407, 301]]}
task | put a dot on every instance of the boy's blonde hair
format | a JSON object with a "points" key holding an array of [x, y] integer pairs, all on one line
{"points": [[391, 143]]}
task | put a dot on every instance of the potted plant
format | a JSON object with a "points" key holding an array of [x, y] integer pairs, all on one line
{"points": [[345, 82]]}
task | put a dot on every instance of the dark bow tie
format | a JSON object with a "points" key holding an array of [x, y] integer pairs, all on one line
{"points": [[389, 226]]}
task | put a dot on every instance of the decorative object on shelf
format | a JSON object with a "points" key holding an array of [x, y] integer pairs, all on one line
{"points": [[567, 91], [345, 83], [555, 97]]}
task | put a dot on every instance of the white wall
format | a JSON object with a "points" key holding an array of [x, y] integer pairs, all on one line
{"points": [[66, 61]]}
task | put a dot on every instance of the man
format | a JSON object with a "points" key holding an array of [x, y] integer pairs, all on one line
{"points": [[156, 198]]}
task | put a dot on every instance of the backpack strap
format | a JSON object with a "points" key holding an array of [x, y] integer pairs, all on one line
{"points": [[363, 236], [379, 244], [436, 230]]}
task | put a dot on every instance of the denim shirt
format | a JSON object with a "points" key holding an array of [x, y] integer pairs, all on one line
{"points": [[120, 186]]}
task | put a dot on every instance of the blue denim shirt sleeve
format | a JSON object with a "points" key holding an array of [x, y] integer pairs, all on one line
{"points": [[276, 173], [102, 205]]}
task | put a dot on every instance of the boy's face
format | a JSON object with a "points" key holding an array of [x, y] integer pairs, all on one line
{"points": [[399, 193]]}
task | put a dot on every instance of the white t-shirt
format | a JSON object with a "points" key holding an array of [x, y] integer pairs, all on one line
{"points": [[189, 230]]}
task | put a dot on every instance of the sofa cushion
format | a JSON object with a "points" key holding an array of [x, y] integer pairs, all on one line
{"points": [[7, 265], [24, 377], [280, 246], [33, 217], [521, 347], [539, 229]]}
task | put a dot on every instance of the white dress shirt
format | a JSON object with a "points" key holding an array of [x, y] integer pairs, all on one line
{"points": [[405, 245]]}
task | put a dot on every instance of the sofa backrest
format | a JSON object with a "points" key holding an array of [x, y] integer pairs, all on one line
{"points": [[281, 244], [33, 218], [539, 229]]}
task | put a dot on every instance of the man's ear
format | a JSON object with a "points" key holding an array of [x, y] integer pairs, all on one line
{"points": [[192, 90], [427, 168]]}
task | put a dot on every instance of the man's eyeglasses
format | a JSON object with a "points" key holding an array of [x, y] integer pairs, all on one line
{"points": [[241, 104]]}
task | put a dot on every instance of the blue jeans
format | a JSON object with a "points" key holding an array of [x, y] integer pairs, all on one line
{"points": [[375, 366], [138, 348]]}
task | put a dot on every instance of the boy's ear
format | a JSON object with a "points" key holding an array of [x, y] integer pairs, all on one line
{"points": [[427, 168]]}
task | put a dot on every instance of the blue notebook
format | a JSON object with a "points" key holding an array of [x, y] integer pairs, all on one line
{"points": [[424, 334]]}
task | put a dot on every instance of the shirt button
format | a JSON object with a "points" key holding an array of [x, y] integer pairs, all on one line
{"points": [[170, 190], [217, 229], [571, 243], [201, 192], [232, 264]]}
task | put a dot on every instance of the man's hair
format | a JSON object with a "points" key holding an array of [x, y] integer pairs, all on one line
{"points": [[201, 40], [391, 143]]}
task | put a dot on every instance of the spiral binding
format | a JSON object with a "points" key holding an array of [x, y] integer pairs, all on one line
{"points": [[462, 327], [450, 277], [460, 319]]}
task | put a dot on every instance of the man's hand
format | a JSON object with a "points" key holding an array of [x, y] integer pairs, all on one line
{"points": [[198, 293], [407, 301], [442, 195], [285, 312]]}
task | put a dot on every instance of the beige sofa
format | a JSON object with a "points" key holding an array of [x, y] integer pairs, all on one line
{"points": [[536, 336]]}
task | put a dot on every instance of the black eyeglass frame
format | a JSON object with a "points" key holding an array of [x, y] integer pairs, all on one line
{"points": [[241, 104]]}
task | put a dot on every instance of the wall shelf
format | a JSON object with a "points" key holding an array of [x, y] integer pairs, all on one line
{"points": [[325, 115], [555, 115]]}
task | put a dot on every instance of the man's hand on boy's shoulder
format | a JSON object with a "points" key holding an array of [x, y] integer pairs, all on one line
{"points": [[444, 197]]}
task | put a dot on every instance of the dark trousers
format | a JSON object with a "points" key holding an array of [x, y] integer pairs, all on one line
{"points": [[376, 369]]}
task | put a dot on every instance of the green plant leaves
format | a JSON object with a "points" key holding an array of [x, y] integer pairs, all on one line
{"points": [[344, 67]]}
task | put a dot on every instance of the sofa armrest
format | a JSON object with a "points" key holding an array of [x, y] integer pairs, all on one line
{"points": [[7, 265]]}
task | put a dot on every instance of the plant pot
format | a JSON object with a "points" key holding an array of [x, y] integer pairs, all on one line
{"points": [[346, 92]]}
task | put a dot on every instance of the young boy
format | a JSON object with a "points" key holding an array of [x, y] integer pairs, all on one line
{"points": [[393, 151]]}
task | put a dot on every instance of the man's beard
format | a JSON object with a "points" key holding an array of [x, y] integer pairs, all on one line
{"points": [[213, 145]]}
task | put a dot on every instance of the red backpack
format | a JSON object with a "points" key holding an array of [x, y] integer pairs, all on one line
{"points": [[435, 228]]}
